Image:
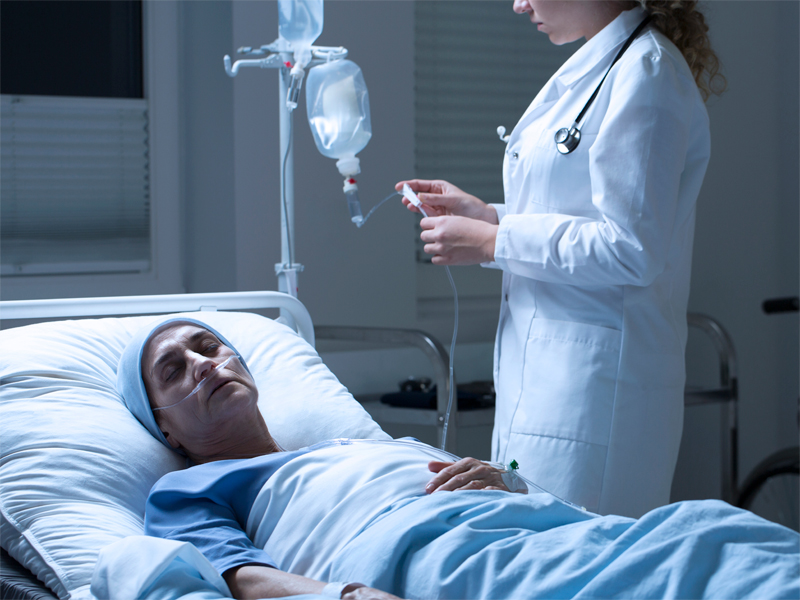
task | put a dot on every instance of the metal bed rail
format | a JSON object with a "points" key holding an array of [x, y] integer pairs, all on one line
{"points": [[155, 304], [728, 393], [438, 357]]}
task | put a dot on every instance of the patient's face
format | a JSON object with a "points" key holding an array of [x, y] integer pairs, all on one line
{"points": [[174, 361]]}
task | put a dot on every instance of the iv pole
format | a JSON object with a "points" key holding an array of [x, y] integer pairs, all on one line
{"points": [[278, 55]]}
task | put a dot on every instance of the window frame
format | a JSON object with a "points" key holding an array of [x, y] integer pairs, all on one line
{"points": [[160, 31]]}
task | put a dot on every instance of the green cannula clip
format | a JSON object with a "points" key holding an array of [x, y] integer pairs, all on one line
{"points": [[513, 465]]}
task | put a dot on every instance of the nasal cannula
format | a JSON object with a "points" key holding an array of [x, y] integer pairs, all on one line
{"points": [[200, 385]]}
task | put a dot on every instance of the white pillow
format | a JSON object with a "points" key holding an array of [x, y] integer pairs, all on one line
{"points": [[76, 466]]}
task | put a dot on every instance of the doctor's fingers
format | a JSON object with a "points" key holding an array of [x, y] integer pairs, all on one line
{"points": [[442, 197], [459, 240], [435, 186], [445, 255], [431, 211]]}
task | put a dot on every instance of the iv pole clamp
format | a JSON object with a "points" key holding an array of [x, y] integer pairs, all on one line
{"points": [[277, 55]]}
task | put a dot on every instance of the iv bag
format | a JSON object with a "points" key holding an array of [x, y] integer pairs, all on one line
{"points": [[337, 103], [300, 23]]}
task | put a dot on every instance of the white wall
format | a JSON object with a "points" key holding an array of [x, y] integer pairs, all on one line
{"points": [[208, 208]]}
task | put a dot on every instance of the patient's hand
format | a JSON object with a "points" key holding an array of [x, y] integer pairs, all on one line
{"points": [[368, 593], [466, 474], [259, 581]]}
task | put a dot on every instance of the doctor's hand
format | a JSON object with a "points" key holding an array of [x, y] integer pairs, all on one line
{"points": [[466, 474], [443, 198], [458, 240]]}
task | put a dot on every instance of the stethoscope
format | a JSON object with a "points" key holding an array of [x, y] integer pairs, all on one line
{"points": [[567, 139]]}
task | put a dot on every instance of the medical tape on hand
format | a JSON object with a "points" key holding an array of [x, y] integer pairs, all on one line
{"points": [[513, 481], [200, 385]]}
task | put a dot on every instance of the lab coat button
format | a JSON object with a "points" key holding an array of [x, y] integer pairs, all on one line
{"points": [[515, 155]]}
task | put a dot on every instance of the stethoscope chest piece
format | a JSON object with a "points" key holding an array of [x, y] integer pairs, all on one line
{"points": [[567, 139]]}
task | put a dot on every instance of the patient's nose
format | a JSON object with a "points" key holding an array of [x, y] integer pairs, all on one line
{"points": [[202, 366]]}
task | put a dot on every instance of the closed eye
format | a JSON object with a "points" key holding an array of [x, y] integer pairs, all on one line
{"points": [[170, 373]]}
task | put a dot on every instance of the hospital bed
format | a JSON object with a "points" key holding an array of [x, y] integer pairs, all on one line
{"points": [[76, 466]]}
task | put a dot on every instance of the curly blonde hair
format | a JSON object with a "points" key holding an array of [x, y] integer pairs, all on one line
{"points": [[685, 26]]}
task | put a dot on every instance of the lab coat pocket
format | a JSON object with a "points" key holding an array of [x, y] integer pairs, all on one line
{"points": [[569, 381]]}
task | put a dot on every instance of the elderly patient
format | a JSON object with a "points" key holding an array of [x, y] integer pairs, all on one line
{"points": [[318, 520]]}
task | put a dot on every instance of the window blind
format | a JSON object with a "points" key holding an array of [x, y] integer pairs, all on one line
{"points": [[478, 65], [74, 190]]}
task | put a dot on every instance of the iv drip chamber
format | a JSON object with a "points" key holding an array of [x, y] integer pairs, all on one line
{"points": [[353, 202], [299, 23]]}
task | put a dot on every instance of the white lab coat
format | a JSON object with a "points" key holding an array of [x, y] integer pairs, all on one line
{"points": [[596, 249]]}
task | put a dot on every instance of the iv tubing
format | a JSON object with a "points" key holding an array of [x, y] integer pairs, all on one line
{"points": [[377, 206], [418, 204], [452, 355], [283, 195], [415, 201]]}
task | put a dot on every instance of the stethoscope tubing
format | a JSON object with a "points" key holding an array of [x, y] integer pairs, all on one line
{"points": [[567, 139]]}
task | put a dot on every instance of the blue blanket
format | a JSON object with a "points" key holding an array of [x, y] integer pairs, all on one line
{"points": [[350, 514], [465, 545]]}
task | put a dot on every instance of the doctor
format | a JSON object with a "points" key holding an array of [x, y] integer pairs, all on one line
{"points": [[595, 243]]}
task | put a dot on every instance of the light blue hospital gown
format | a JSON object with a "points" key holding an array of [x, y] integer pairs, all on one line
{"points": [[469, 544]]}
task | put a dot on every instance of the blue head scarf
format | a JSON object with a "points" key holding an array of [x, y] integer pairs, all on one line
{"points": [[130, 383]]}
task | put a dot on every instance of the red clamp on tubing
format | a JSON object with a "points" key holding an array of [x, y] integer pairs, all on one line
{"points": [[288, 64]]}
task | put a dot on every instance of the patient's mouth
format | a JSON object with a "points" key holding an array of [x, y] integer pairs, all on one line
{"points": [[218, 386]]}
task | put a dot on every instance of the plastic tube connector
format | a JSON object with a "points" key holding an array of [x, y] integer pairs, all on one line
{"points": [[409, 195], [349, 166]]}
